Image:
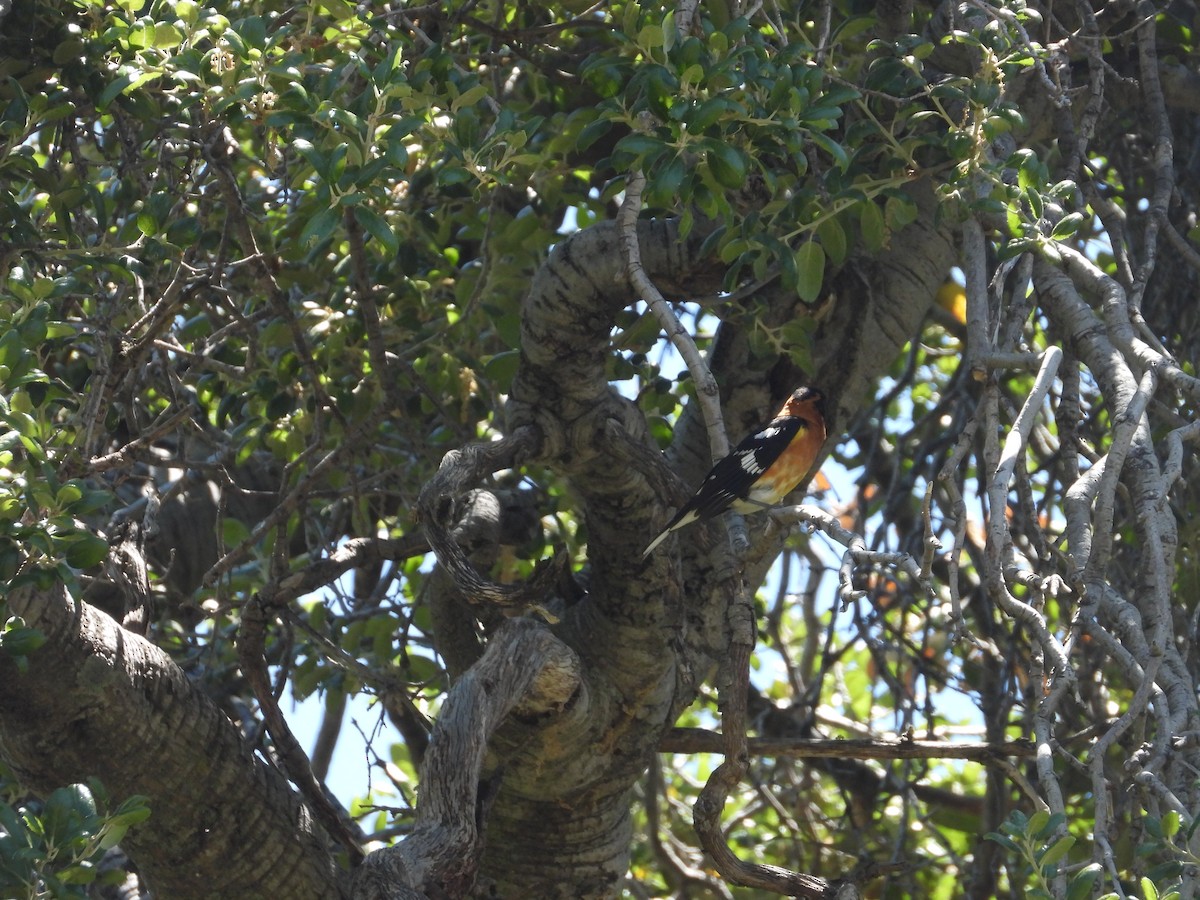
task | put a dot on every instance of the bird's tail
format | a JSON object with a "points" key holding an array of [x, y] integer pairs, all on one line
{"points": [[654, 543]]}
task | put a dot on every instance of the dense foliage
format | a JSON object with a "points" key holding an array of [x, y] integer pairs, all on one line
{"points": [[264, 264]]}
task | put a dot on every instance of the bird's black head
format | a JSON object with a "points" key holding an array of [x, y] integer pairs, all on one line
{"points": [[809, 395]]}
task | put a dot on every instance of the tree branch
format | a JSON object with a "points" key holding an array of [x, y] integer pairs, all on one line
{"points": [[151, 731], [251, 647], [459, 472], [707, 392], [525, 670], [706, 815], [700, 740]]}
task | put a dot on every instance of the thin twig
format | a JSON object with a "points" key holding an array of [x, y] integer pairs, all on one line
{"points": [[700, 740], [128, 453], [251, 647], [707, 391]]}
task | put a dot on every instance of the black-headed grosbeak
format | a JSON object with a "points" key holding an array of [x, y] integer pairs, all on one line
{"points": [[762, 469]]}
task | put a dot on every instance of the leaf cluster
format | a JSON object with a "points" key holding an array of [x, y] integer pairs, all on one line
{"points": [[54, 848]]}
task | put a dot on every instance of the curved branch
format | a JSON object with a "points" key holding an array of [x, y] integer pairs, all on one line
{"points": [[707, 392], [460, 471], [251, 643]]}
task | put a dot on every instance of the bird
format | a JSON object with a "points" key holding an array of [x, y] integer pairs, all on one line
{"points": [[762, 469]]}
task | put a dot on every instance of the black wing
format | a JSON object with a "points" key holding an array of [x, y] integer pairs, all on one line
{"points": [[732, 477]]}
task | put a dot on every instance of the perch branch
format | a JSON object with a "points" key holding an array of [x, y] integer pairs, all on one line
{"points": [[856, 553]]}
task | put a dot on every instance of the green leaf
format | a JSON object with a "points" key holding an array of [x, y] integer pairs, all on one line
{"points": [[833, 239], [160, 35], [12, 350], [633, 147], [629, 21], [132, 812], [81, 873], [1149, 890], [147, 224], [68, 494], [664, 184], [378, 228], [1052, 826], [128, 82], [1067, 226], [832, 147], [86, 550], [592, 132], [874, 232], [710, 111], [67, 812], [727, 165], [650, 37], [1170, 824], [188, 11], [899, 211], [1056, 851], [502, 367], [1038, 821], [1034, 198], [233, 532], [314, 157], [1003, 840], [810, 271], [1084, 881], [18, 639], [469, 97], [320, 226]]}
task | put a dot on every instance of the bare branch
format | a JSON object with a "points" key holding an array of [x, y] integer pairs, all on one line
{"points": [[251, 646], [707, 391], [352, 554], [856, 553], [699, 740], [127, 454], [975, 268]]}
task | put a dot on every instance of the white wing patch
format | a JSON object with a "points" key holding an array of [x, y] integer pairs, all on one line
{"points": [[748, 460], [757, 457]]}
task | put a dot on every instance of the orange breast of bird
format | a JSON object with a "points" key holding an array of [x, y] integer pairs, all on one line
{"points": [[793, 464]]}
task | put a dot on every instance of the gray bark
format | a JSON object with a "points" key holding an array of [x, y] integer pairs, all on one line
{"points": [[98, 700]]}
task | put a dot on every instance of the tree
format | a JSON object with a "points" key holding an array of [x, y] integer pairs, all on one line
{"points": [[336, 363]]}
